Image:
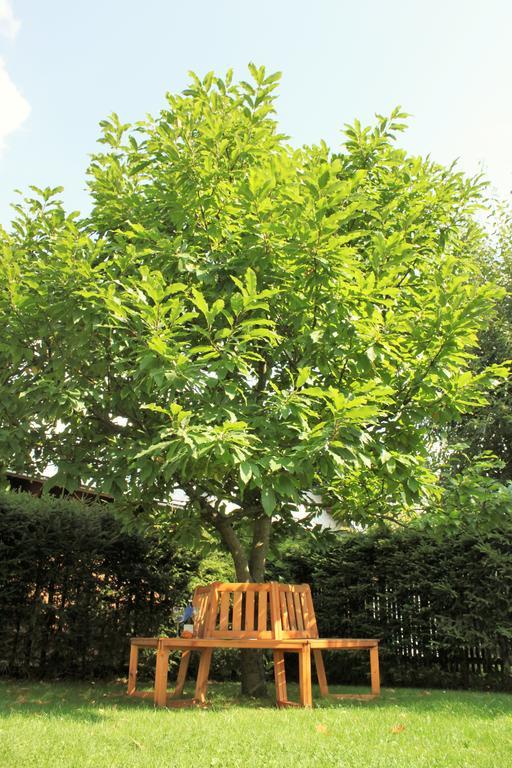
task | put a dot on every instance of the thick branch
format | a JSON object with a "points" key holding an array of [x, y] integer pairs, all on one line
{"points": [[233, 543], [259, 548]]}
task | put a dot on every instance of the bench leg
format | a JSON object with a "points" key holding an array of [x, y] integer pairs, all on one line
{"points": [[162, 670], [306, 693], [202, 675], [374, 669], [320, 673], [182, 674], [132, 671], [280, 677]]}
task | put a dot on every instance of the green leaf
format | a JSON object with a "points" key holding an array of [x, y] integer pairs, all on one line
{"points": [[304, 374], [250, 281], [268, 500], [200, 302], [245, 472]]}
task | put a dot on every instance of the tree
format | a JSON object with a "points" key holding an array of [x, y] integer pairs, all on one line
{"points": [[489, 429], [259, 326]]}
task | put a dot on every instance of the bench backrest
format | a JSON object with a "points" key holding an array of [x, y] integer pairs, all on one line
{"points": [[258, 611], [296, 615], [201, 603]]}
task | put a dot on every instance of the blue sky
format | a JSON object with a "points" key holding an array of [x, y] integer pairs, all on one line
{"points": [[66, 64]]}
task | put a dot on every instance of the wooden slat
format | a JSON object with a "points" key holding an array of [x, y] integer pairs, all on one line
{"points": [[182, 673], [312, 625], [242, 586], [262, 611], [144, 642], [202, 675], [305, 611], [211, 613], [374, 668], [320, 673], [275, 611], [162, 669], [246, 634], [132, 673], [280, 676], [298, 611], [237, 611], [296, 634], [309, 625], [182, 643], [284, 611], [249, 611], [292, 621], [201, 601], [306, 692], [224, 610], [343, 642]]}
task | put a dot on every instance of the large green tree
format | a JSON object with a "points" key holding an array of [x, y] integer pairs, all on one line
{"points": [[260, 326], [489, 429]]}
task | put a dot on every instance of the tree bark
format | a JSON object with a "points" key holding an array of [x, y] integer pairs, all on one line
{"points": [[250, 569], [252, 662], [259, 548]]}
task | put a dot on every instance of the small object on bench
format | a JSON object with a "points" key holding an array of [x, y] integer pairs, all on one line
{"points": [[277, 617]]}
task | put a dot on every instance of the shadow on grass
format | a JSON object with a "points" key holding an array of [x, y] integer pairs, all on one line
{"points": [[86, 702], [94, 702]]}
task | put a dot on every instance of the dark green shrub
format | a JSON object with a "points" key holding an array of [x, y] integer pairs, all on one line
{"points": [[74, 586], [440, 602]]}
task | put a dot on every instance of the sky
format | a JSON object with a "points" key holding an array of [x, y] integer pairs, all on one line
{"points": [[66, 64]]}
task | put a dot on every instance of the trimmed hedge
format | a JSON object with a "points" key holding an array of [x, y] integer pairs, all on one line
{"points": [[74, 586], [442, 605]]}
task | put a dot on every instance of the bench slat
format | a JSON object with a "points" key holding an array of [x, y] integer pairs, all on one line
{"points": [[237, 611], [249, 611], [298, 611], [224, 610], [292, 621], [262, 610], [284, 612]]}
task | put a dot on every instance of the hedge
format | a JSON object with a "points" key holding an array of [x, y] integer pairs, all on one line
{"points": [[74, 586], [441, 604]]}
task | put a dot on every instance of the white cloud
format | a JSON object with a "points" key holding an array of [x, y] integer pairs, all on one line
{"points": [[9, 24], [14, 108]]}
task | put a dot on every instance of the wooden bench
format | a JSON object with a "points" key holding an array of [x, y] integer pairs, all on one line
{"points": [[276, 617]]}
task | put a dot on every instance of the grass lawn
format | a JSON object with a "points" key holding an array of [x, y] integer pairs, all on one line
{"points": [[81, 725]]}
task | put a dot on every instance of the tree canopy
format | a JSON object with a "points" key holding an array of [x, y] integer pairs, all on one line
{"points": [[260, 326], [489, 429]]}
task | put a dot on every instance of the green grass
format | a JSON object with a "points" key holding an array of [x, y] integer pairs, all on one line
{"points": [[90, 724]]}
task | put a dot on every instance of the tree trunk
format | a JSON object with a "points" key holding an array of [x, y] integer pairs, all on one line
{"points": [[253, 674], [253, 669], [250, 569]]}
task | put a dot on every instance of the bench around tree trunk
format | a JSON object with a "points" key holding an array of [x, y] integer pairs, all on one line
{"points": [[271, 616]]}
